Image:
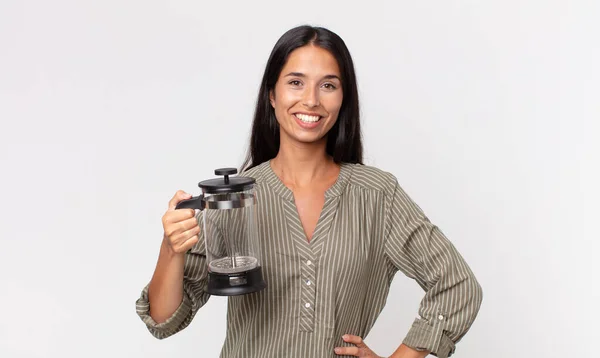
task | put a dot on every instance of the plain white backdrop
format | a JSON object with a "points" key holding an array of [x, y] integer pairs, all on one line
{"points": [[486, 111]]}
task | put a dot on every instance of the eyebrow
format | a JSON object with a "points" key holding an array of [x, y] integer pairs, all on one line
{"points": [[300, 74]]}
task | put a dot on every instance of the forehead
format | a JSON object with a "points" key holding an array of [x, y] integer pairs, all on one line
{"points": [[312, 61]]}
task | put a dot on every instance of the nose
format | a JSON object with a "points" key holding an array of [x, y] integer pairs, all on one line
{"points": [[311, 97]]}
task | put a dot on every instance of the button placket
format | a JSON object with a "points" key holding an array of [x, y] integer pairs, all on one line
{"points": [[308, 295]]}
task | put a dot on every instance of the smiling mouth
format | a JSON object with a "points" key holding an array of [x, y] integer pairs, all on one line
{"points": [[307, 118]]}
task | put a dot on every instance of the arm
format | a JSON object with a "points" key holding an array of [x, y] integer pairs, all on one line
{"points": [[452, 294], [175, 313], [165, 292], [405, 351], [176, 291]]}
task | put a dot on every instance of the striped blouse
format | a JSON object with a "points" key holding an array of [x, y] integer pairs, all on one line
{"points": [[338, 282]]}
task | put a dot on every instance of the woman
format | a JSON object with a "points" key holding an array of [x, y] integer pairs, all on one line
{"points": [[333, 231]]}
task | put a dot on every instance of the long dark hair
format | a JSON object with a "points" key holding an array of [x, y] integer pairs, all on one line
{"points": [[344, 142]]}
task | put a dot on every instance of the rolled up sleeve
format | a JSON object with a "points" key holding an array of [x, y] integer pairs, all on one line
{"points": [[194, 296], [452, 294]]}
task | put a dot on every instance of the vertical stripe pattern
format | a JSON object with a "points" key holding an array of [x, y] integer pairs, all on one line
{"points": [[338, 283]]}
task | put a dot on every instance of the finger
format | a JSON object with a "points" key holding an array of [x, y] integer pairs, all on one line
{"points": [[346, 351], [177, 216], [354, 340], [179, 238], [188, 244], [185, 217], [188, 223], [174, 228], [179, 196]]}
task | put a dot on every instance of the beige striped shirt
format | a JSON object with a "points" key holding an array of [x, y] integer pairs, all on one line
{"points": [[339, 281]]}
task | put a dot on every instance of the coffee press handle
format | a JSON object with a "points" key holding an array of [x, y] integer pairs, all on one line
{"points": [[196, 202]]}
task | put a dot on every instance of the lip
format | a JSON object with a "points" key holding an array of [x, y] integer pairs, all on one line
{"points": [[307, 125], [309, 114]]}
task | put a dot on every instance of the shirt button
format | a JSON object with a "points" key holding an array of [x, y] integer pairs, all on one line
{"points": [[309, 262], [440, 317], [307, 305], [308, 283]]}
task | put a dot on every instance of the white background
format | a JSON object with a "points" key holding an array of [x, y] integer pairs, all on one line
{"points": [[486, 111]]}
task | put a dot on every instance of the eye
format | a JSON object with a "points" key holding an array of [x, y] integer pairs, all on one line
{"points": [[295, 83], [329, 86]]}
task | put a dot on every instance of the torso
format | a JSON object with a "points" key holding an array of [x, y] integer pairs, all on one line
{"points": [[309, 204], [319, 290], [309, 200]]}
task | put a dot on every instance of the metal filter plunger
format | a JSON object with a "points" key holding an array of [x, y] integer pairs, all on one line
{"points": [[233, 264]]}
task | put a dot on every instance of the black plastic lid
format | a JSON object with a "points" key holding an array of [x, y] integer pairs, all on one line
{"points": [[226, 184]]}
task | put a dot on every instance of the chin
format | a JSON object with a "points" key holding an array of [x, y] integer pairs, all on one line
{"points": [[309, 139]]}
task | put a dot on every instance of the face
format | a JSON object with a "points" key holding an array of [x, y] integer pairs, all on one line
{"points": [[308, 95]]}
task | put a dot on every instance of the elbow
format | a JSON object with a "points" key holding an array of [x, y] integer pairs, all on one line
{"points": [[469, 309], [478, 293], [476, 297]]}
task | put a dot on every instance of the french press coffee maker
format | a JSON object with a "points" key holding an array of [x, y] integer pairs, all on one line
{"points": [[230, 230]]}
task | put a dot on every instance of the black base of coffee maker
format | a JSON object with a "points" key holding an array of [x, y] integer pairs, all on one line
{"points": [[235, 284]]}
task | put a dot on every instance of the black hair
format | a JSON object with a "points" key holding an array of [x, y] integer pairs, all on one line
{"points": [[344, 143]]}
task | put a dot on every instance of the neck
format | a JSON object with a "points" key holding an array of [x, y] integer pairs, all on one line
{"points": [[300, 164]]}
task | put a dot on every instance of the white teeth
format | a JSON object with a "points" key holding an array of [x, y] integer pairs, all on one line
{"points": [[307, 118]]}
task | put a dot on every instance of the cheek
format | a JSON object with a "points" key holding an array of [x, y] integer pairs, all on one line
{"points": [[335, 105], [283, 101], [281, 109]]}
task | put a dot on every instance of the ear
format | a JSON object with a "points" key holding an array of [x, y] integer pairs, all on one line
{"points": [[272, 98]]}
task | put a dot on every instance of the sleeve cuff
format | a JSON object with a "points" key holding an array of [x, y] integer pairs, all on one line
{"points": [[424, 336], [179, 319]]}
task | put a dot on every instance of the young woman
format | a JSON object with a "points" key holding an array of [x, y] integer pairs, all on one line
{"points": [[333, 231]]}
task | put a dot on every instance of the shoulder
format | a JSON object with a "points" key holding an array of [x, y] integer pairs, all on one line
{"points": [[256, 172], [372, 178]]}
